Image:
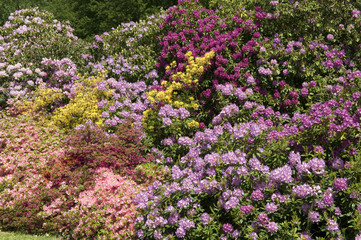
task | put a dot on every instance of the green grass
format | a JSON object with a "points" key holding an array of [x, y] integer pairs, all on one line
{"points": [[21, 236]]}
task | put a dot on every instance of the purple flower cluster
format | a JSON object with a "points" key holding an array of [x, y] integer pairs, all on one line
{"points": [[272, 227], [227, 228], [314, 216], [302, 190], [246, 209], [340, 184], [282, 174]]}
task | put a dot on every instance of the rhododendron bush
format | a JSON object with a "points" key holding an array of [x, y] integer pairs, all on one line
{"points": [[277, 146], [237, 122]]}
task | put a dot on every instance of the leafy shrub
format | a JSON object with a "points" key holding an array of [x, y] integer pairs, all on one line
{"points": [[261, 140], [233, 42], [38, 27], [45, 100], [133, 46], [83, 105], [27, 38], [105, 211], [26, 150], [175, 102], [255, 180], [47, 186], [278, 155], [149, 172], [91, 148]]}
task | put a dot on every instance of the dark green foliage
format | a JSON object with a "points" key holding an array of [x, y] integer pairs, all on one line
{"points": [[90, 17], [9, 6]]}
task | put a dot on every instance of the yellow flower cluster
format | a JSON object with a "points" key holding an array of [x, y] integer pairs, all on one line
{"points": [[83, 106], [194, 69], [193, 124], [175, 93], [44, 99]]}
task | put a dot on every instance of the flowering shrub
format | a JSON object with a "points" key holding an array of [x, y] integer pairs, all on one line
{"points": [[26, 150], [104, 211], [90, 147], [276, 156], [129, 51], [233, 188], [174, 102], [83, 105], [44, 100], [47, 186], [28, 26], [252, 112], [26, 39]]}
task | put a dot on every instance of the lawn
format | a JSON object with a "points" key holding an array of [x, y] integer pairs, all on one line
{"points": [[21, 236]]}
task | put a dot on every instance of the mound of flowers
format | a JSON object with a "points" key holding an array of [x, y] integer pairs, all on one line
{"points": [[35, 48], [235, 122], [61, 184], [275, 152]]}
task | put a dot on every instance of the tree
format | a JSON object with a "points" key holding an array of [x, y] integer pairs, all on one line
{"points": [[9, 6], [90, 17]]}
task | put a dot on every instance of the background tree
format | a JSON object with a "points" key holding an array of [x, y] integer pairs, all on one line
{"points": [[90, 17], [9, 6]]}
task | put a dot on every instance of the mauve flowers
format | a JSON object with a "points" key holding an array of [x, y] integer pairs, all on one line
{"points": [[231, 203], [314, 216], [282, 174], [140, 234], [253, 235], [359, 208], [302, 190], [340, 184], [205, 218], [246, 209], [271, 207], [263, 219], [227, 228], [105, 114], [317, 165], [332, 226], [185, 141], [257, 195], [180, 232], [186, 224], [173, 218], [272, 227], [304, 92], [167, 121], [330, 37], [305, 235], [328, 198], [294, 158]]}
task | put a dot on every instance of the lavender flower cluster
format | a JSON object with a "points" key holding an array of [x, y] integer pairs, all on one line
{"points": [[272, 150]]}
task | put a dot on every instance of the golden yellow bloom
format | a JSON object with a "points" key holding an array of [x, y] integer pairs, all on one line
{"points": [[83, 106], [173, 64], [195, 106], [193, 124], [175, 94]]}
